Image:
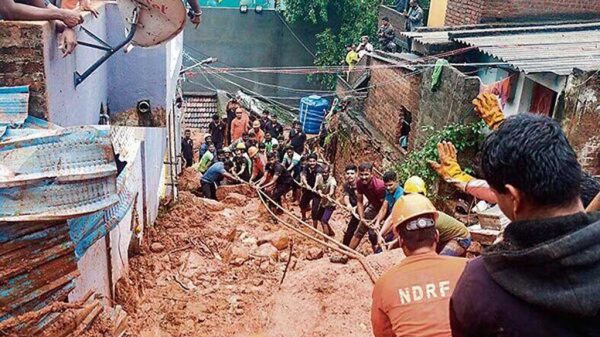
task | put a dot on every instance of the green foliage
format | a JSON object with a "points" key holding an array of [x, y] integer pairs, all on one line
{"points": [[341, 22], [464, 137]]}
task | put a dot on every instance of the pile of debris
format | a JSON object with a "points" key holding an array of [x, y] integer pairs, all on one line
{"points": [[213, 268]]}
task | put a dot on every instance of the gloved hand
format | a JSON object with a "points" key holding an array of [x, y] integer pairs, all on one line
{"points": [[489, 110], [448, 167]]}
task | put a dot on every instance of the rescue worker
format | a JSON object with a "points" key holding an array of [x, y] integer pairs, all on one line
{"points": [[373, 189], [298, 138], [187, 148], [393, 192], [217, 129], [412, 298], [455, 238], [270, 142], [213, 176], [326, 186], [310, 200], [204, 146], [239, 125], [228, 153], [278, 181], [291, 162], [258, 167], [242, 163], [258, 133], [542, 279], [264, 120], [274, 128], [207, 159], [488, 108], [350, 202]]}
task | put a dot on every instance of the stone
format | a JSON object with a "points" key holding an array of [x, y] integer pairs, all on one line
{"points": [[284, 256], [211, 205], [258, 282], [280, 240], [314, 253], [338, 258], [236, 199], [239, 255], [157, 247], [266, 250]]}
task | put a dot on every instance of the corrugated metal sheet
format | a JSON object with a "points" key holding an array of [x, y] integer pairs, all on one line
{"points": [[198, 110], [56, 174], [13, 104], [554, 49], [86, 230], [37, 265]]}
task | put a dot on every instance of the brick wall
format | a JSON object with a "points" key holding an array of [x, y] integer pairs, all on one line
{"points": [[450, 103], [390, 89], [582, 117], [22, 61], [462, 12]]}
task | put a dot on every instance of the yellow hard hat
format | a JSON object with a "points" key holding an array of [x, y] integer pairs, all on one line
{"points": [[240, 146], [252, 151], [411, 206], [415, 184]]}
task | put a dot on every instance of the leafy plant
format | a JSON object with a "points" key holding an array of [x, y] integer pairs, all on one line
{"points": [[465, 137], [341, 22]]}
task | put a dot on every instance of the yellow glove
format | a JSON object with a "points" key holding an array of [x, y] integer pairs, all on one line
{"points": [[489, 110], [448, 167]]}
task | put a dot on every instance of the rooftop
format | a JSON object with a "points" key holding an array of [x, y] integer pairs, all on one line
{"points": [[198, 109], [556, 48]]}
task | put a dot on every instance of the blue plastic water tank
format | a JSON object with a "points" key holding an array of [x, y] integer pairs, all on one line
{"points": [[312, 112]]}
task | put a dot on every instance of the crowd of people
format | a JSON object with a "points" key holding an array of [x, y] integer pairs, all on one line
{"points": [[260, 153], [539, 280]]}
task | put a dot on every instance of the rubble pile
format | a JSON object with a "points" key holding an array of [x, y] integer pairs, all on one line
{"points": [[211, 268]]}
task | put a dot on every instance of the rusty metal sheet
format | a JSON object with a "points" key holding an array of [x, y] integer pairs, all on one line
{"points": [[86, 230], [14, 104], [56, 174], [37, 265]]}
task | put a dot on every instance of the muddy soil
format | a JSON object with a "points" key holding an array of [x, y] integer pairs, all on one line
{"points": [[212, 268]]}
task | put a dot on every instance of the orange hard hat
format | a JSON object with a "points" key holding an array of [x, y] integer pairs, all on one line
{"points": [[252, 151], [410, 206]]}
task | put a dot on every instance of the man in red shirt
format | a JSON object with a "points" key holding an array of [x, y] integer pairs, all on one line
{"points": [[373, 189], [412, 299], [239, 125]]}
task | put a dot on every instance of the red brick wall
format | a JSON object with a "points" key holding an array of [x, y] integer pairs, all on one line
{"points": [[461, 12], [22, 61], [391, 89]]}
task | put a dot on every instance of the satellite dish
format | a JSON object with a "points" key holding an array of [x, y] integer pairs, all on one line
{"points": [[158, 20], [148, 23]]}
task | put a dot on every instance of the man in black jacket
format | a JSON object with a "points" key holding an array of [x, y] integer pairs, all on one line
{"points": [[543, 279]]}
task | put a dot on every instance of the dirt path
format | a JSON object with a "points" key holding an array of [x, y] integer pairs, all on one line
{"points": [[204, 271]]}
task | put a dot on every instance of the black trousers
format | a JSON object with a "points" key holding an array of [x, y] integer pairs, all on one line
{"points": [[279, 191], [189, 161], [352, 225], [209, 190], [351, 230]]}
